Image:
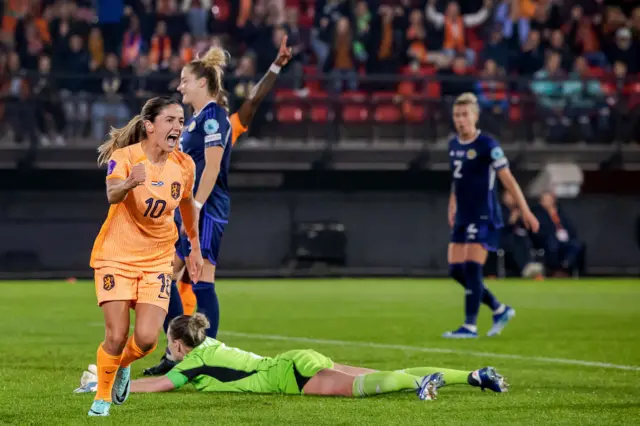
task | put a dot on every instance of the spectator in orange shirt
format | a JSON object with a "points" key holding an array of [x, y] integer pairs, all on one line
{"points": [[454, 26], [160, 49], [341, 63]]}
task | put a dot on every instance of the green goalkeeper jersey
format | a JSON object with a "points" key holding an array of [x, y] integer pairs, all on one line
{"points": [[216, 367]]}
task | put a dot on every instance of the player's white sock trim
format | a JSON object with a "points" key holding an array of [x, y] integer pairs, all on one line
{"points": [[471, 327]]}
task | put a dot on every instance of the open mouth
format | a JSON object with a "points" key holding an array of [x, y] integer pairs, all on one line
{"points": [[172, 139]]}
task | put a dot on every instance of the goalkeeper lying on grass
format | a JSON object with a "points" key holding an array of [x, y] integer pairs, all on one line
{"points": [[211, 366]]}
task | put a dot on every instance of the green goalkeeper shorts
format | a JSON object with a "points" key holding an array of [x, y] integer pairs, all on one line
{"points": [[295, 368]]}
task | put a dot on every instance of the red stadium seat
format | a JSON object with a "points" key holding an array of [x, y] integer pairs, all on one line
{"points": [[433, 90], [319, 106], [387, 114], [608, 88], [415, 113], [289, 114], [384, 97], [355, 114], [319, 114], [354, 109], [423, 70], [515, 113], [387, 107], [286, 95], [632, 90]]}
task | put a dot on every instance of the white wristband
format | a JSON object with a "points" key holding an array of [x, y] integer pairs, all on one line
{"points": [[275, 69], [198, 204]]}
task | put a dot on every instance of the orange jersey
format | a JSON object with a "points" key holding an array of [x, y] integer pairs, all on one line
{"points": [[139, 233], [237, 129]]}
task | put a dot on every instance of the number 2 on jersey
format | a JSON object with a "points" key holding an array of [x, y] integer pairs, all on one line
{"points": [[457, 167], [157, 210]]}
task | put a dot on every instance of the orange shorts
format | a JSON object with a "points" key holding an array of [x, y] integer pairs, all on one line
{"points": [[153, 288]]}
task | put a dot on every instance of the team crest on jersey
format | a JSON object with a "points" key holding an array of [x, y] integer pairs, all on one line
{"points": [[108, 282], [211, 126], [175, 190], [471, 154], [191, 126]]}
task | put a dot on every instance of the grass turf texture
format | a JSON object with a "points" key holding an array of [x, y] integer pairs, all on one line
{"points": [[50, 331]]}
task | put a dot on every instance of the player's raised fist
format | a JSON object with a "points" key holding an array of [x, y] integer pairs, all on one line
{"points": [[284, 54], [138, 175]]}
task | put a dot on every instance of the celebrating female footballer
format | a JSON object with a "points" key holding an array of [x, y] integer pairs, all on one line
{"points": [[147, 180]]}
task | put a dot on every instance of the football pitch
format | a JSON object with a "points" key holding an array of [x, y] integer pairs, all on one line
{"points": [[571, 355]]}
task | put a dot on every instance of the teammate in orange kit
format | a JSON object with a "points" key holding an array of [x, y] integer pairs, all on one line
{"points": [[182, 294], [147, 180]]}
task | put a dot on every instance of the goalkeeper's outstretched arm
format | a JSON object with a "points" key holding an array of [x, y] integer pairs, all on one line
{"points": [[153, 384]]}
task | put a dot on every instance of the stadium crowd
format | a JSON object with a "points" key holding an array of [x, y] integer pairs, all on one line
{"points": [[570, 65]]}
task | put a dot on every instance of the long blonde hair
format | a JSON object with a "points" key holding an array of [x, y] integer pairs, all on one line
{"points": [[211, 66], [134, 131]]}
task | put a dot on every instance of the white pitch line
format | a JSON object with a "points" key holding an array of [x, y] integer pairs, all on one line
{"points": [[432, 350], [421, 349]]}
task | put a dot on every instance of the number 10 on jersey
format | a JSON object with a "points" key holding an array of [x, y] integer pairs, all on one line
{"points": [[155, 208]]}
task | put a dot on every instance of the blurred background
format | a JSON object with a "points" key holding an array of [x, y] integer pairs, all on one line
{"points": [[345, 168]]}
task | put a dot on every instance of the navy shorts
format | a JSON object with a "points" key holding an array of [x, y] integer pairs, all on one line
{"points": [[211, 231], [482, 233]]}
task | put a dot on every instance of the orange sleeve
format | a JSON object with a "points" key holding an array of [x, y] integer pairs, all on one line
{"points": [[119, 165], [190, 177], [237, 129]]}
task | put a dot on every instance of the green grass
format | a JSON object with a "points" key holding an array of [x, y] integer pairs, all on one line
{"points": [[50, 331]]}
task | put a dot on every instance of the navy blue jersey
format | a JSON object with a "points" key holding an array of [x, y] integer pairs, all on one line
{"points": [[208, 128], [474, 165]]}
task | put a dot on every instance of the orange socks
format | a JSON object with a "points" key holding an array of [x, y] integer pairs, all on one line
{"points": [[132, 352], [107, 369], [108, 366], [188, 298]]}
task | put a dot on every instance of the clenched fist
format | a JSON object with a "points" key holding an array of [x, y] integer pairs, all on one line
{"points": [[137, 176]]}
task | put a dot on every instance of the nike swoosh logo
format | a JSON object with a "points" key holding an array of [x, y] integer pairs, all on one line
{"points": [[111, 372]]}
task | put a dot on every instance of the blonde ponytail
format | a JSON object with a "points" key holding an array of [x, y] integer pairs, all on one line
{"points": [[130, 134], [211, 66], [192, 330]]}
